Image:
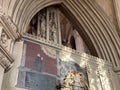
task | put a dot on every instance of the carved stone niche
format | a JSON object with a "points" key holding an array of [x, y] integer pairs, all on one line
{"points": [[6, 60]]}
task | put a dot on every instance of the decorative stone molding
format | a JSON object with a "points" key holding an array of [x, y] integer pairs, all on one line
{"points": [[6, 60], [9, 26], [117, 69]]}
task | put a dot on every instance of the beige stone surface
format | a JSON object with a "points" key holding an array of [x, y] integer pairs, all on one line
{"points": [[118, 11], [107, 7], [10, 78], [1, 75]]}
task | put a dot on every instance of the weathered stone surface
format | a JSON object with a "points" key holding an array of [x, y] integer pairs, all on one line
{"points": [[1, 75]]}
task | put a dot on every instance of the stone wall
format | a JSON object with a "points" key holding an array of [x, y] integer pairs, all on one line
{"points": [[108, 8], [99, 73]]}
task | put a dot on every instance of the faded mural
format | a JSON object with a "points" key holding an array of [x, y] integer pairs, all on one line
{"points": [[40, 71], [73, 77]]}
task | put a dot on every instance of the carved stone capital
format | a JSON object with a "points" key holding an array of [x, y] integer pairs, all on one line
{"points": [[8, 25], [6, 60]]}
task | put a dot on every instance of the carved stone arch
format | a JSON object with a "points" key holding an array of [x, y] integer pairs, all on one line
{"points": [[79, 43], [90, 21]]}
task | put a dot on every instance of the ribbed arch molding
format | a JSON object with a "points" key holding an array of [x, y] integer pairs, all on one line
{"points": [[92, 24]]}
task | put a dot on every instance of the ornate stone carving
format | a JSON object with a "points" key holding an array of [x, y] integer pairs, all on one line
{"points": [[43, 25], [46, 26], [7, 18], [5, 62], [52, 24], [10, 22], [9, 25], [4, 39]]}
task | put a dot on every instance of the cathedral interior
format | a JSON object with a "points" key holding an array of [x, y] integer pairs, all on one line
{"points": [[59, 44]]}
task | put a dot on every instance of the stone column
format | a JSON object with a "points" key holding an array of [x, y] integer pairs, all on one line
{"points": [[10, 78], [5, 63], [1, 75]]}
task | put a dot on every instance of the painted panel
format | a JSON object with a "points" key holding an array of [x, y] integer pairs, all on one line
{"points": [[37, 81], [73, 77], [37, 60]]}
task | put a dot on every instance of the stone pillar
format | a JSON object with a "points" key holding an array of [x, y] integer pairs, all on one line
{"points": [[1, 75], [5, 65], [10, 78], [6, 61]]}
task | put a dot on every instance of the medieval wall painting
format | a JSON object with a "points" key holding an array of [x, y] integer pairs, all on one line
{"points": [[40, 69], [38, 81], [43, 69], [37, 60]]}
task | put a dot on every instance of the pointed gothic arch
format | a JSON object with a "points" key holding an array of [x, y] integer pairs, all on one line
{"points": [[90, 21]]}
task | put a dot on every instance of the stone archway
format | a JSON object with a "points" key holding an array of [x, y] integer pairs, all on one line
{"points": [[91, 22]]}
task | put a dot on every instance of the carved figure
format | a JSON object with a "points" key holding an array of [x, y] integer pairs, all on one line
{"points": [[38, 63], [33, 26], [43, 25], [4, 39], [52, 25], [52, 30]]}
